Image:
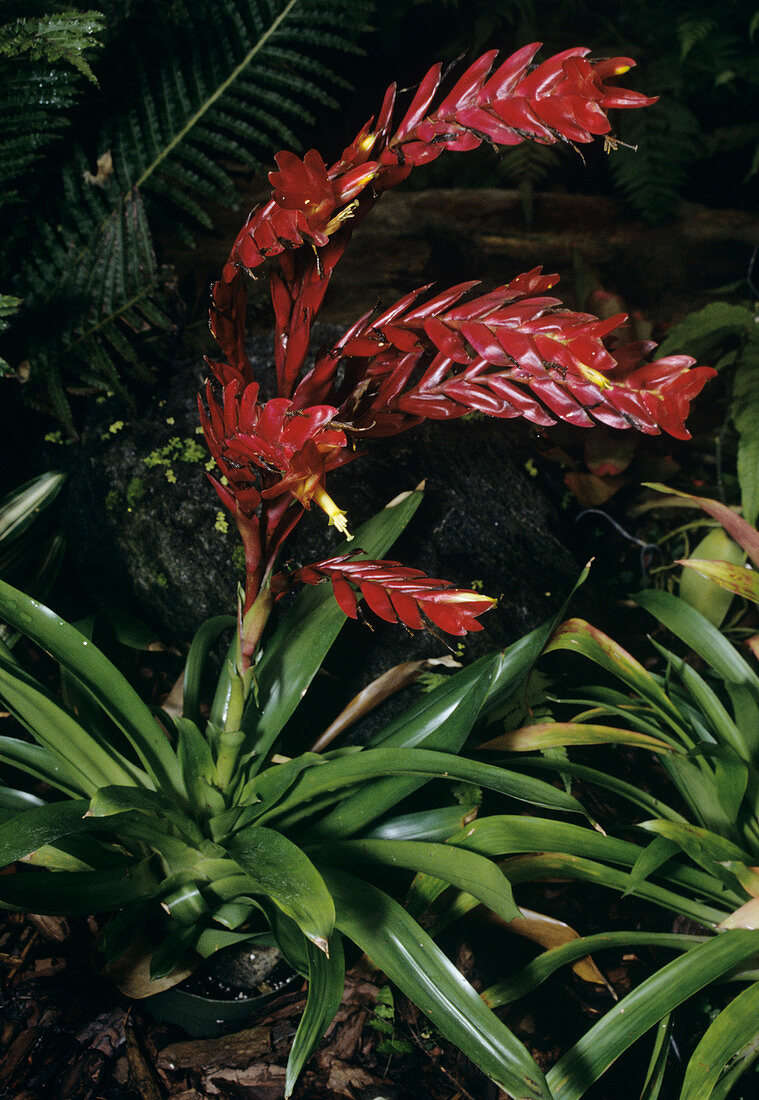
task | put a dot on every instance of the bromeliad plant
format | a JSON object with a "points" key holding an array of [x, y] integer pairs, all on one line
{"points": [[698, 860], [193, 827]]}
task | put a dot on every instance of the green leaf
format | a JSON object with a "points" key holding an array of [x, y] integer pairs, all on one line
{"points": [[197, 655], [724, 1040], [642, 1009], [531, 868], [658, 1062], [443, 719], [577, 636], [100, 677], [705, 848], [546, 964], [436, 824], [279, 869], [697, 589], [395, 943], [41, 763], [196, 761], [67, 893], [21, 507], [461, 868], [745, 410], [375, 763], [326, 983], [16, 801], [112, 800], [40, 825], [172, 950], [57, 731], [504, 834], [706, 329], [595, 776], [721, 725], [658, 852], [548, 735], [303, 638], [700, 635]]}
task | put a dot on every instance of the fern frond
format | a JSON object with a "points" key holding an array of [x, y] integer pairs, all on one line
{"points": [[9, 305], [239, 96], [100, 282], [526, 166], [64, 36], [691, 30], [651, 175]]}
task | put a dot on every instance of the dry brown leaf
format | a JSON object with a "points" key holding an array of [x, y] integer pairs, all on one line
{"points": [[390, 682], [550, 932], [104, 170], [746, 916], [131, 971]]}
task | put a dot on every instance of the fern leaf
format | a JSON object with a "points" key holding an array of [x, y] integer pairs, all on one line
{"points": [[101, 284], [9, 305], [691, 30], [236, 100], [652, 173], [67, 37]]}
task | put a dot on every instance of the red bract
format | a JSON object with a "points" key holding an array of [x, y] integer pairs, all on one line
{"points": [[266, 449], [563, 99], [398, 594], [504, 353]]}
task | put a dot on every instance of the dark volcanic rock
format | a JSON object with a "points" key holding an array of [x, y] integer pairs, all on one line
{"points": [[146, 528]]}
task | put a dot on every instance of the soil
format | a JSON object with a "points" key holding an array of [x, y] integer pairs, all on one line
{"points": [[67, 1035]]}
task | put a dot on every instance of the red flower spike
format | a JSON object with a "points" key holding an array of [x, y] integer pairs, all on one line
{"points": [[507, 355], [397, 593], [564, 99]]}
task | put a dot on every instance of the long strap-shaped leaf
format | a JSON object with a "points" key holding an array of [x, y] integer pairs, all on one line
{"points": [[502, 835], [549, 962], [507, 834], [43, 764], [642, 1009], [442, 720], [550, 865], [698, 633], [395, 942], [345, 771], [466, 870], [40, 825], [735, 1027], [77, 892], [55, 729], [279, 869], [100, 677], [326, 983], [204, 638]]}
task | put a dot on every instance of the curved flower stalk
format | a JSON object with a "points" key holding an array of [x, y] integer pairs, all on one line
{"points": [[511, 352]]}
